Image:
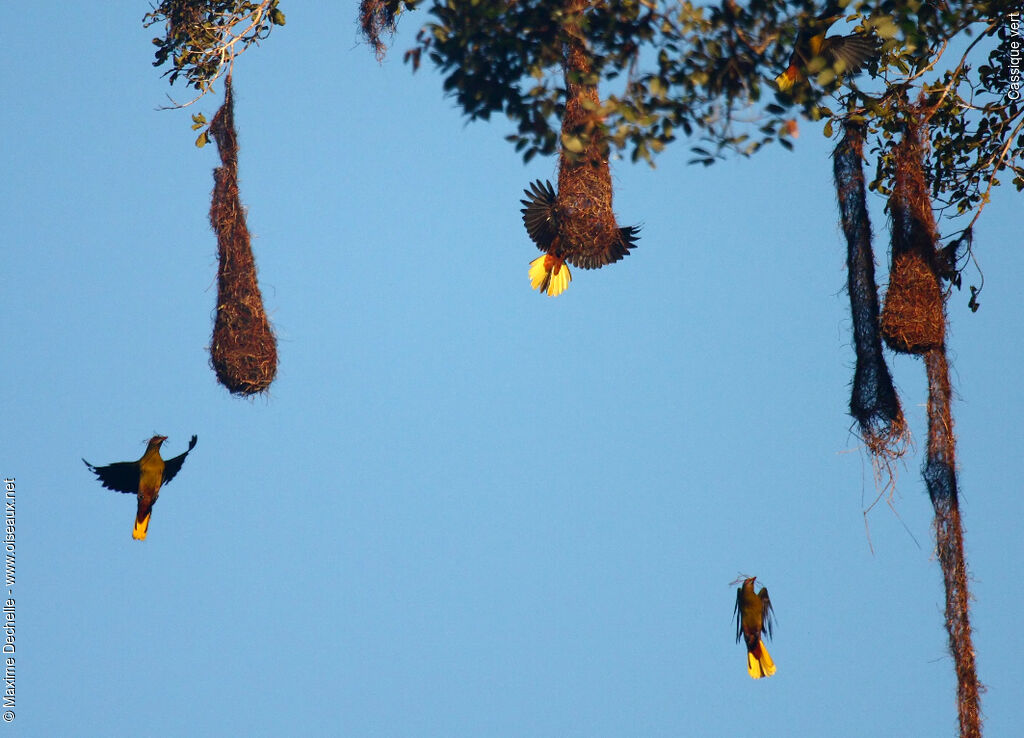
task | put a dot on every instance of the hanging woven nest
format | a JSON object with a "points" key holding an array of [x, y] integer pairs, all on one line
{"points": [[874, 402], [913, 319], [243, 352], [578, 224]]}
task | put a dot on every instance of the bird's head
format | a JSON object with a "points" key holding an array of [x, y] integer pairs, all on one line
{"points": [[156, 441], [743, 579]]}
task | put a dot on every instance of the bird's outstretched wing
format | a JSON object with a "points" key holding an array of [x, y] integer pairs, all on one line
{"points": [[851, 50], [738, 614], [540, 216], [768, 616], [120, 477], [173, 466], [616, 248]]}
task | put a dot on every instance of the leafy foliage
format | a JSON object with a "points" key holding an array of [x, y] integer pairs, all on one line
{"points": [[670, 65], [506, 57], [974, 122], [202, 37]]}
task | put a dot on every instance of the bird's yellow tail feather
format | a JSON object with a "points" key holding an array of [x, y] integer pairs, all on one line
{"points": [[139, 532], [759, 663], [787, 79], [550, 275]]}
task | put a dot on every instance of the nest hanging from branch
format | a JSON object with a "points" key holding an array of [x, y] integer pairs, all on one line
{"points": [[874, 402], [243, 352], [913, 319], [584, 177], [377, 18], [578, 224]]}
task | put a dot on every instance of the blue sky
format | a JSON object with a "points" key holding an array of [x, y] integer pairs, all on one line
{"points": [[463, 508]]}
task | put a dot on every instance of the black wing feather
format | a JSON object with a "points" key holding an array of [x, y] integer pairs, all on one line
{"points": [[120, 477], [768, 615], [173, 466], [739, 616], [540, 216], [619, 247], [852, 50]]}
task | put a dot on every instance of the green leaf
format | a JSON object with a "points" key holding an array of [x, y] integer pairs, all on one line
{"points": [[572, 143], [204, 138], [885, 27]]}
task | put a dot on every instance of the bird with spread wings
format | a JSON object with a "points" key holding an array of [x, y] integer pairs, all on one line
{"points": [[563, 240], [753, 613], [814, 51], [143, 478]]}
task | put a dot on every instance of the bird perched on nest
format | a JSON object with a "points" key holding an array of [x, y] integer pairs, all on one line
{"points": [[565, 238], [144, 478], [753, 613], [841, 53]]}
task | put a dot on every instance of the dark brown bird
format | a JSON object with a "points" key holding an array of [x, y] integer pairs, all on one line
{"points": [[144, 478], [561, 240], [753, 616]]}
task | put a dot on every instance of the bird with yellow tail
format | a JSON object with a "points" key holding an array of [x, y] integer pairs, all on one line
{"points": [[814, 51], [143, 478], [564, 238], [753, 613]]}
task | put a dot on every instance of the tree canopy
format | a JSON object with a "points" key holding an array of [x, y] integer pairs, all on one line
{"points": [[708, 71]]}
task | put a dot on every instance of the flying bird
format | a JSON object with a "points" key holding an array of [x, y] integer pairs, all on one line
{"points": [[753, 613], [563, 238], [144, 478], [842, 53]]}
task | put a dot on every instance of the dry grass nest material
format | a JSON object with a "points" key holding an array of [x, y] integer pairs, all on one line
{"points": [[913, 320], [376, 19], [243, 351], [584, 178]]}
